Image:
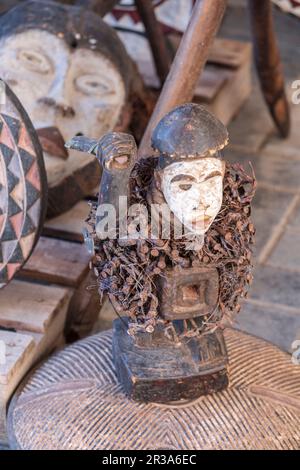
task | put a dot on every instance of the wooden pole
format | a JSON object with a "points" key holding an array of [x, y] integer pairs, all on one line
{"points": [[161, 56], [268, 63], [188, 63]]}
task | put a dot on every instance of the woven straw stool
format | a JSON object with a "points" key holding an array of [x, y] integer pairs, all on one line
{"points": [[73, 401]]}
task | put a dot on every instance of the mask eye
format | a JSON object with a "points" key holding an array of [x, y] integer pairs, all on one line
{"points": [[182, 182], [185, 187], [34, 61], [91, 85]]}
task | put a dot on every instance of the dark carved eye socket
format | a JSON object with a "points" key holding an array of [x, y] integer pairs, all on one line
{"points": [[185, 187], [34, 61], [183, 178]]}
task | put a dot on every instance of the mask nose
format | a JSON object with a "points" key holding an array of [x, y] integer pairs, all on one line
{"points": [[203, 205], [200, 202], [60, 107], [55, 99]]}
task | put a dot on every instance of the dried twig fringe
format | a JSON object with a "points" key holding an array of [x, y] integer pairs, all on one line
{"points": [[126, 271]]}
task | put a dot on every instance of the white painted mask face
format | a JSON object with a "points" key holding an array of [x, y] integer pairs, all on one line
{"points": [[194, 191], [78, 91]]}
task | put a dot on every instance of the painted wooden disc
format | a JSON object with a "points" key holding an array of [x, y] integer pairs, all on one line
{"points": [[23, 187], [73, 401]]}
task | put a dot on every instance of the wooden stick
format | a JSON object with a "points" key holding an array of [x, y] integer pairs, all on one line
{"points": [[161, 56], [268, 63], [188, 63]]}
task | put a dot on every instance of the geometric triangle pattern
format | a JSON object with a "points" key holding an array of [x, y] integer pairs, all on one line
{"points": [[22, 183]]}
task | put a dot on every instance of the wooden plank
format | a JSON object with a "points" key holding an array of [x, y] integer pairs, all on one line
{"points": [[24, 349], [30, 307], [229, 52], [57, 262], [17, 347], [233, 94], [212, 80], [69, 225]]}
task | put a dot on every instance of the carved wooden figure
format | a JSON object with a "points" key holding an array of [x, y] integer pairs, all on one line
{"points": [[177, 291], [23, 186], [73, 76]]}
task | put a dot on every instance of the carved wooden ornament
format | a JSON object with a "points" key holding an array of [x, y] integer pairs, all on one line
{"points": [[23, 188], [176, 292]]}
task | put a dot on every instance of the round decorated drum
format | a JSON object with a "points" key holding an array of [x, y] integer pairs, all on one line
{"points": [[23, 186]]}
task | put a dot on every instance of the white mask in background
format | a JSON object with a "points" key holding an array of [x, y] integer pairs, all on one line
{"points": [[79, 91], [38, 65], [193, 191]]}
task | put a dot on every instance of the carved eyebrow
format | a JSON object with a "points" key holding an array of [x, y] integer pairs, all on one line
{"points": [[184, 178], [211, 175]]}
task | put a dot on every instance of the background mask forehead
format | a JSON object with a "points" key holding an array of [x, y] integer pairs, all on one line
{"points": [[76, 26]]}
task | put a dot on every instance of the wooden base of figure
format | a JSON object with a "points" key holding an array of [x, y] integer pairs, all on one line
{"points": [[153, 367]]}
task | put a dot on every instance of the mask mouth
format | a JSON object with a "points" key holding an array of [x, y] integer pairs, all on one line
{"points": [[198, 214], [200, 221], [52, 142]]}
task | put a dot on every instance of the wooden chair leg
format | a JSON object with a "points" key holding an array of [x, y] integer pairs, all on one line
{"points": [[268, 63], [161, 55]]}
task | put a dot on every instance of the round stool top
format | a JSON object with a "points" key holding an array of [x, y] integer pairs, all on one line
{"points": [[73, 401]]}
